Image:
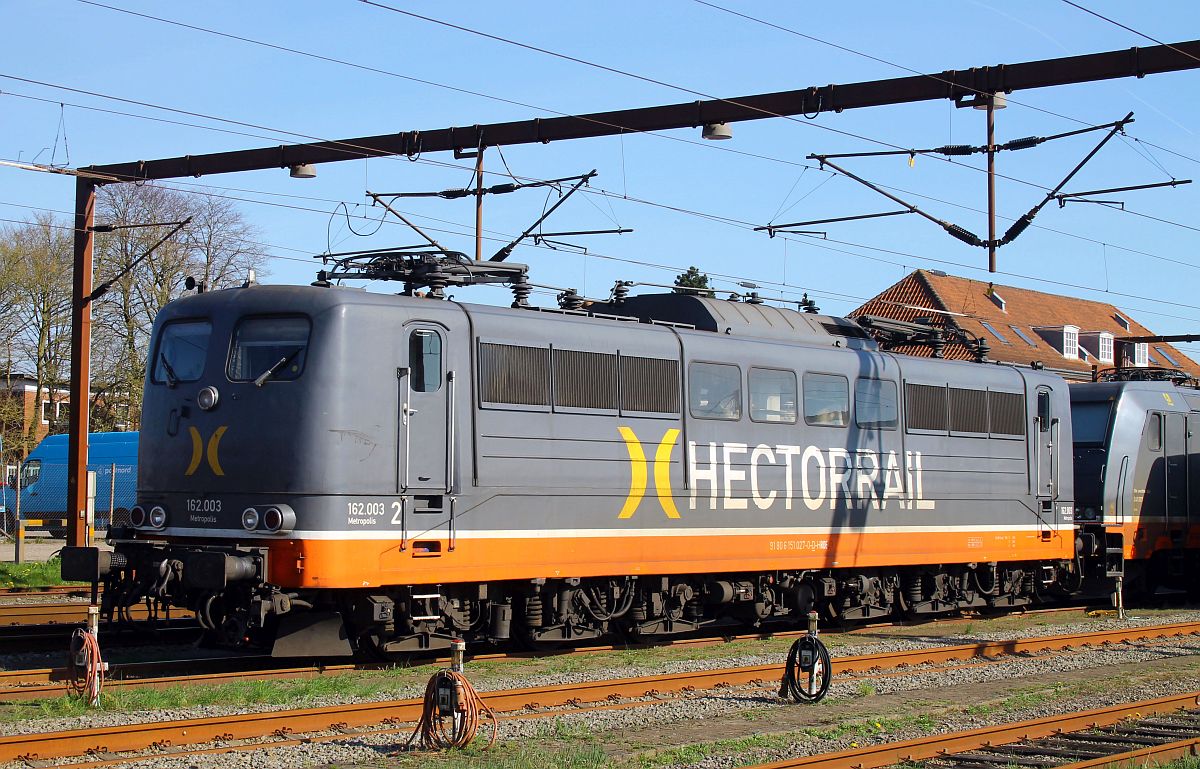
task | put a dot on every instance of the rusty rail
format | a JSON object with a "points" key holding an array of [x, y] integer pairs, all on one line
{"points": [[944, 746], [140, 736]]}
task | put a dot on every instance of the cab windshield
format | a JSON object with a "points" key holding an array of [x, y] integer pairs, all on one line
{"points": [[182, 348], [268, 348], [1089, 421]]}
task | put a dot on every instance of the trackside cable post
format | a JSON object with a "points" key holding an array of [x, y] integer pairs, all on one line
{"points": [[452, 709], [808, 671], [85, 666]]}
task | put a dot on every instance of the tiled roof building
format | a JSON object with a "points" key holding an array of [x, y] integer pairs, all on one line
{"points": [[1065, 334]]}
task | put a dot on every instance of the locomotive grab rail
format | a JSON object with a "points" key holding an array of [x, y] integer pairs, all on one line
{"points": [[1120, 507], [451, 394]]}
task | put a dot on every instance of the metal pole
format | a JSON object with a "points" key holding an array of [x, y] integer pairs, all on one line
{"points": [[81, 346], [479, 205], [991, 180], [19, 542], [112, 494]]}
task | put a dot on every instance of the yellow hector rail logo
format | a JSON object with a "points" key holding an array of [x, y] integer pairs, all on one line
{"points": [[662, 472], [198, 451]]}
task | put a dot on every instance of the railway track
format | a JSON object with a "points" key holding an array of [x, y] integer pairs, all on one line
{"points": [[19, 639], [45, 683], [1136, 733], [248, 731], [48, 591]]}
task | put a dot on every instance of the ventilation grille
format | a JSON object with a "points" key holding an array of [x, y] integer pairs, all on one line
{"points": [[968, 410], [845, 329], [585, 380], [514, 374], [649, 384], [925, 407], [1007, 411]]}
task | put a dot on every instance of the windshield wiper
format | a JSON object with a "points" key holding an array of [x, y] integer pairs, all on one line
{"points": [[172, 378], [264, 376]]}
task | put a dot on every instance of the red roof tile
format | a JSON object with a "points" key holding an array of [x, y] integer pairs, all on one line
{"points": [[952, 302]]}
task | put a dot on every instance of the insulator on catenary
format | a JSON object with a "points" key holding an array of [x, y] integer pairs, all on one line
{"points": [[1023, 143], [1016, 229], [955, 149], [965, 236]]}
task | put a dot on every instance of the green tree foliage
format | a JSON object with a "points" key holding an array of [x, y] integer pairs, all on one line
{"points": [[35, 273], [693, 278], [218, 248]]}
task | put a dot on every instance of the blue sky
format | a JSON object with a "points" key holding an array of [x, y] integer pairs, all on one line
{"points": [[1146, 266]]}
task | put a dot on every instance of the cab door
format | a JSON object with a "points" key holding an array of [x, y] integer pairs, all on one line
{"points": [[1177, 472], [425, 426]]}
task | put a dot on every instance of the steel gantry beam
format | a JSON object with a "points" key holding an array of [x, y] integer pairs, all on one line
{"points": [[951, 84]]}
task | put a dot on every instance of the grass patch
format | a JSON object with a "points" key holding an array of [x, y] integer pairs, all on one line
{"points": [[1033, 697], [776, 743], [38, 574]]}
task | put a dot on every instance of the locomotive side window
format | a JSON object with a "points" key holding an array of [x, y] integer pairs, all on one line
{"points": [[1154, 432], [826, 400], [182, 348], [715, 391], [268, 348], [875, 405], [425, 360], [772, 395]]}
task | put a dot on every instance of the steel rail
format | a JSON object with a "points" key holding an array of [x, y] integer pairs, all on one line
{"points": [[945, 745], [46, 590], [139, 736], [44, 683], [23, 614]]}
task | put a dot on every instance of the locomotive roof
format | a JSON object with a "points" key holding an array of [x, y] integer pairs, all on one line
{"points": [[736, 318]]}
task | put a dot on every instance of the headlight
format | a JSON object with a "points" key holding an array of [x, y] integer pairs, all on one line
{"points": [[249, 519], [279, 519], [207, 398], [158, 517], [137, 516]]}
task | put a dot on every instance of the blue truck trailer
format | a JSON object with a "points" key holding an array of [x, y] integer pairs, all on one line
{"points": [[43, 481]]}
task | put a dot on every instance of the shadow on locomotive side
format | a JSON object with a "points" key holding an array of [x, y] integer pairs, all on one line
{"points": [[326, 470]]}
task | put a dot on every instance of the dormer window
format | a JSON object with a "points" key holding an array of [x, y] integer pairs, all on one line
{"points": [[1106, 348], [1070, 342], [1121, 321], [1141, 354]]}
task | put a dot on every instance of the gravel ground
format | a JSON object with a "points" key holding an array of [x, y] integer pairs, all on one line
{"points": [[708, 705]]}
